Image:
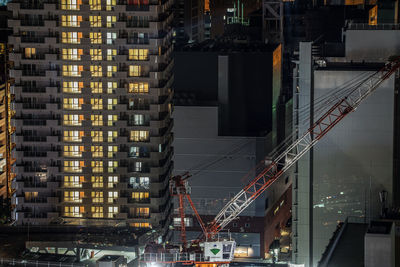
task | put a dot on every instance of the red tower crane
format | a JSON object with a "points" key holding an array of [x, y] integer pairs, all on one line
{"points": [[280, 162]]}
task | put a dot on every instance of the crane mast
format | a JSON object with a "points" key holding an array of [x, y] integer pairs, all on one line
{"points": [[282, 161]]}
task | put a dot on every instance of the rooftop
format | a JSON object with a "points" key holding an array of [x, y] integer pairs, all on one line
{"points": [[227, 45]]}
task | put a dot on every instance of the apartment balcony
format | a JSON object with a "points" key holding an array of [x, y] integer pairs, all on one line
{"points": [[32, 39], [138, 216], [138, 201], [31, 23]]}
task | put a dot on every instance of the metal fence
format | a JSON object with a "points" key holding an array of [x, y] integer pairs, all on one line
{"points": [[171, 257], [33, 263]]}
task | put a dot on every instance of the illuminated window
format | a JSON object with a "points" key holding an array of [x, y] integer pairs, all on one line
{"points": [[97, 197], [73, 119], [71, 21], [111, 21], [97, 166], [112, 195], [70, 4], [144, 182], [143, 212], [112, 180], [139, 182], [73, 196], [110, 4], [30, 52], [72, 54], [95, 21], [135, 70], [72, 103], [95, 37], [141, 225], [111, 70], [73, 181], [72, 70], [97, 212], [112, 165], [137, 167], [112, 150], [139, 88], [74, 211], [97, 151], [72, 87], [112, 211], [111, 102], [73, 136], [140, 196], [73, 151], [139, 136], [71, 37], [97, 103], [95, 54], [111, 53], [97, 87], [111, 119], [97, 120], [96, 71], [95, 4], [111, 135], [111, 36], [97, 136], [134, 151], [111, 86], [73, 165], [138, 54], [138, 119], [97, 181]]}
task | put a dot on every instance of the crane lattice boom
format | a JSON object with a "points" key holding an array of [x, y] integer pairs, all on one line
{"points": [[282, 161]]}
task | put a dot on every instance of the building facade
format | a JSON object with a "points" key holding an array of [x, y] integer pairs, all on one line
{"points": [[7, 157], [93, 99], [225, 126], [344, 173], [189, 21]]}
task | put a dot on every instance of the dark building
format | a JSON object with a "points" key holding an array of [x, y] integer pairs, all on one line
{"points": [[236, 77], [226, 121], [7, 159], [189, 21]]}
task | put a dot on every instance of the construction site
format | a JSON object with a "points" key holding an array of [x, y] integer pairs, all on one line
{"points": [[158, 133]]}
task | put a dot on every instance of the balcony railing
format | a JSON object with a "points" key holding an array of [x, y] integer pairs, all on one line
{"points": [[366, 26]]}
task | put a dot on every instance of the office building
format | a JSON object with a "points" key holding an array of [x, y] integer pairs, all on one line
{"points": [[93, 123], [218, 143], [7, 157], [344, 173], [189, 21]]}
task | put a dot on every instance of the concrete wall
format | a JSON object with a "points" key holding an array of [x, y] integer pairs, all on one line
{"points": [[368, 45], [353, 162], [197, 145], [378, 250]]}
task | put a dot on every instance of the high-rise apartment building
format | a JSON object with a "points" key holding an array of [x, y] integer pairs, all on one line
{"points": [[93, 99]]}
